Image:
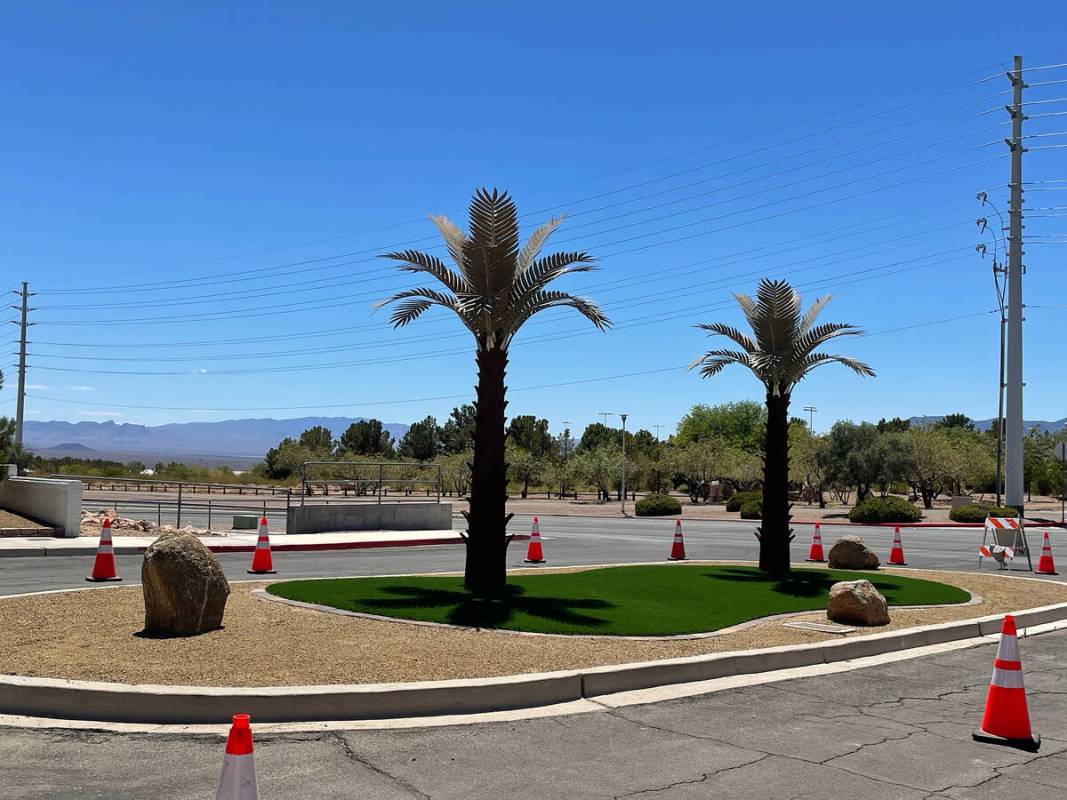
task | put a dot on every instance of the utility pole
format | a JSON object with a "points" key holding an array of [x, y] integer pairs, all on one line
{"points": [[624, 416], [811, 418], [1013, 450], [657, 427], [23, 325]]}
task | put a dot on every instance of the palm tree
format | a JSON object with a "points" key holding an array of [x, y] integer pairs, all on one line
{"points": [[498, 286], [782, 353]]}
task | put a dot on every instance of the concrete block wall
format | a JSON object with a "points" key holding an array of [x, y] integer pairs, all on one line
{"points": [[370, 517], [51, 501]]}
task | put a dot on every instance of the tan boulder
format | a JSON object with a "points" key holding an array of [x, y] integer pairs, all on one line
{"points": [[849, 552], [185, 589], [857, 603]]}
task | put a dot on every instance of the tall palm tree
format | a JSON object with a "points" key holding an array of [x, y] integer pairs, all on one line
{"points": [[781, 354], [496, 287]]}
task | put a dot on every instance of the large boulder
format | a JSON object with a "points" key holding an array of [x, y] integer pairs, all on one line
{"points": [[849, 552], [857, 603], [185, 589]]}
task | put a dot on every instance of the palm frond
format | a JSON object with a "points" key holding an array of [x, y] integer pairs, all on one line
{"points": [[416, 301], [534, 244], [491, 251], [821, 334], [543, 300], [545, 270], [816, 359], [417, 261], [454, 238], [813, 312], [713, 361], [729, 332]]}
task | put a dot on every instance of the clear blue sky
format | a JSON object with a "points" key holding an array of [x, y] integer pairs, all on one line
{"points": [[264, 153]]}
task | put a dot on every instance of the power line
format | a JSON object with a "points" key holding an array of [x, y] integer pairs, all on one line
{"points": [[320, 405], [589, 198], [344, 300]]}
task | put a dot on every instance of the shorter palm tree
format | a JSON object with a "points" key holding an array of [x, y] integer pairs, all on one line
{"points": [[781, 355]]}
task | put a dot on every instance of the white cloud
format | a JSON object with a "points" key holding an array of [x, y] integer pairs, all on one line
{"points": [[99, 413], [38, 386], [82, 388]]}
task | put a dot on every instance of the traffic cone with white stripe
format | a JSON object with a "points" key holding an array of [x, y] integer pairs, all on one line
{"points": [[815, 554], [1007, 719], [534, 553], [261, 560], [104, 565], [1045, 564], [678, 547], [896, 555], [238, 778]]}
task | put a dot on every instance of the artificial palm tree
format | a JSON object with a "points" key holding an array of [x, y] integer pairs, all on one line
{"points": [[780, 355], [496, 287]]}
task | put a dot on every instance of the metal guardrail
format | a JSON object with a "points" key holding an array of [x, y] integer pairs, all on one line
{"points": [[368, 478], [164, 485]]}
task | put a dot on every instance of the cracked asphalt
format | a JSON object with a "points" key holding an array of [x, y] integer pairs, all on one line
{"points": [[899, 730]]}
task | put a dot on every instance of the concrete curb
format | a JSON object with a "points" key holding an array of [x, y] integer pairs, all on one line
{"points": [[117, 702]]}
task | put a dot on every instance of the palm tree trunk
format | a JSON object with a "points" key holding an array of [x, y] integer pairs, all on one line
{"points": [[774, 531], [487, 542]]}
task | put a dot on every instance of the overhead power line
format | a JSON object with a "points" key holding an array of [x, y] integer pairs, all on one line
{"points": [[589, 198]]}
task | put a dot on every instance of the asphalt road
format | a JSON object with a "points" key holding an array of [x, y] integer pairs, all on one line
{"points": [[899, 731], [567, 541]]}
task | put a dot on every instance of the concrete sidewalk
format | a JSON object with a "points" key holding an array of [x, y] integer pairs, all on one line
{"points": [[231, 543]]}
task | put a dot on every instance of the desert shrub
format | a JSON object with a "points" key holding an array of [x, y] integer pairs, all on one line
{"points": [[657, 505], [885, 509], [753, 509], [977, 512], [738, 499]]}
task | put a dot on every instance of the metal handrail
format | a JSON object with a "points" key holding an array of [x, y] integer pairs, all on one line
{"points": [[306, 483]]}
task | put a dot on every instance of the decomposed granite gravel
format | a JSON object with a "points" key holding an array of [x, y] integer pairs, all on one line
{"points": [[93, 635]]}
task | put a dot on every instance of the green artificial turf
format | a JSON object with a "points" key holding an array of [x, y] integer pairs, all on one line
{"points": [[655, 600]]}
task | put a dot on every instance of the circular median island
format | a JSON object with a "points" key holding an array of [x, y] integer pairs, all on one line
{"points": [[95, 634], [644, 600]]}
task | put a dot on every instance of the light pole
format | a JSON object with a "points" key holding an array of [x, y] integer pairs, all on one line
{"points": [[622, 483], [811, 418], [566, 455], [623, 416]]}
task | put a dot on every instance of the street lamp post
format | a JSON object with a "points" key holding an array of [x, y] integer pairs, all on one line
{"points": [[566, 455], [624, 463]]}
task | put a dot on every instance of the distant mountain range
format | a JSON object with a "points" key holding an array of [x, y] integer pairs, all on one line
{"points": [[1041, 425], [236, 441]]}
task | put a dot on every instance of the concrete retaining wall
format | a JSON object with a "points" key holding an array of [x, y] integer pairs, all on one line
{"points": [[370, 517], [51, 501]]}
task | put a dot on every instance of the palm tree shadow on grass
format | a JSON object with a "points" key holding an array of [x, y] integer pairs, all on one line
{"points": [[797, 584], [475, 611]]}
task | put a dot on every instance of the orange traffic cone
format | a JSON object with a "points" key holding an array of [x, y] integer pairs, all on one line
{"points": [[238, 778], [1045, 565], [534, 554], [1007, 719], [815, 554], [261, 561], [896, 555], [678, 547], [104, 565]]}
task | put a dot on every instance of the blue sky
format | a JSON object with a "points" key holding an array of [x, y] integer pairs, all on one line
{"points": [[198, 194]]}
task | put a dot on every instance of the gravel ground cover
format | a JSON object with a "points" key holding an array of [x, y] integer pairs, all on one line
{"points": [[93, 635]]}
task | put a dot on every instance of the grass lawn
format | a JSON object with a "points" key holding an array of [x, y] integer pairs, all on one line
{"points": [[656, 600]]}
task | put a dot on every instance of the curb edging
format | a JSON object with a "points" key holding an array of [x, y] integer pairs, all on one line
{"points": [[143, 703]]}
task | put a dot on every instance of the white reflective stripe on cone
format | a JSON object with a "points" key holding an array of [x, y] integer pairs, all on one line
{"points": [[1008, 678], [1008, 649], [238, 779]]}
